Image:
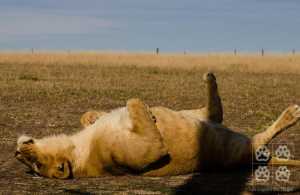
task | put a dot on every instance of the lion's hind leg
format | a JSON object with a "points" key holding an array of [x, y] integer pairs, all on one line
{"points": [[213, 109], [288, 118]]}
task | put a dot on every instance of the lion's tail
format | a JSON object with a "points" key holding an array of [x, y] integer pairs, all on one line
{"points": [[281, 161]]}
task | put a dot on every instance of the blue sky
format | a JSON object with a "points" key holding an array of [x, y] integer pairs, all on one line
{"points": [[143, 25]]}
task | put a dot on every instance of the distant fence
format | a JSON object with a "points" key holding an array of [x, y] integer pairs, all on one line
{"points": [[261, 52]]}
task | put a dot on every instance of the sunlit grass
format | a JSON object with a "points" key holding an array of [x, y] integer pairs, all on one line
{"points": [[46, 93], [271, 63]]}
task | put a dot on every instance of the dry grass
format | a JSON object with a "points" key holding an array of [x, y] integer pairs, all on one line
{"points": [[42, 94], [270, 63]]}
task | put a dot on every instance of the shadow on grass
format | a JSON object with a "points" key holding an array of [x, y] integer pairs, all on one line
{"points": [[76, 192], [229, 182]]}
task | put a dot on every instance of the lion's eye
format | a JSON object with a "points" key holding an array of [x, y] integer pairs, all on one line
{"points": [[38, 165], [61, 167]]}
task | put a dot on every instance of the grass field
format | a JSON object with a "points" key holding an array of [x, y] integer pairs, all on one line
{"points": [[46, 93]]}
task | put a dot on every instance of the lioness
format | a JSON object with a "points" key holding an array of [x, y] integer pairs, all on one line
{"points": [[153, 141]]}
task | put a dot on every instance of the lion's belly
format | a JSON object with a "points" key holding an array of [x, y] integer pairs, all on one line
{"points": [[194, 144]]}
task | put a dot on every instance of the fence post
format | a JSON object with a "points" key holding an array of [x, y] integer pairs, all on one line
{"points": [[157, 51], [32, 50], [293, 51], [235, 52], [262, 52]]}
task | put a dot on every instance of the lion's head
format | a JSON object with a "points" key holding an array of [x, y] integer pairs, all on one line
{"points": [[52, 162]]}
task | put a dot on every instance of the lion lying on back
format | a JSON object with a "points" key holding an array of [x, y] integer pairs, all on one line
{"points": [[153, 141]]}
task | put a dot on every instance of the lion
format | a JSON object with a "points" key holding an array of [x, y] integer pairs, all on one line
{"points": [[156, 141]]}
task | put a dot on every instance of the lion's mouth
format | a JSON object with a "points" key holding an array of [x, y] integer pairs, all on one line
{"points": [[22, 159], [19, 156]]}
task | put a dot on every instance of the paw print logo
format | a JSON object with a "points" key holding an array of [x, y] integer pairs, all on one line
{"points": [[283, 152], [282, 174], [262, 174], [262, 154]]}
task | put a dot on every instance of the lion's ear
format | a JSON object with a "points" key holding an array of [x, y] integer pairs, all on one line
{"points": [[90, 118]]}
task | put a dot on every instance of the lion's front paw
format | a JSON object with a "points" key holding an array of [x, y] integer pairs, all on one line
{"points": [[90, 117], [141, 116]]}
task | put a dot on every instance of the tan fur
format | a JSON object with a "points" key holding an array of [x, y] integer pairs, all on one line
{"points": [[153, 141]]}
